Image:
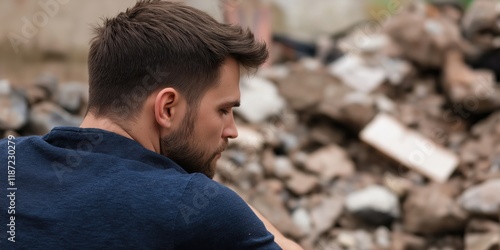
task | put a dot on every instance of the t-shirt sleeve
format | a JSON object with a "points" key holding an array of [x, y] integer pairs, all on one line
{"points": [[211, 216]]}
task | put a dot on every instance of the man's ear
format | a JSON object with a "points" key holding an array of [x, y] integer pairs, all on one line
{"points": [[166, 104]]}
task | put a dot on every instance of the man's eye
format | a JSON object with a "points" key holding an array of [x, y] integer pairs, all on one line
{"points": [[225, 111]]}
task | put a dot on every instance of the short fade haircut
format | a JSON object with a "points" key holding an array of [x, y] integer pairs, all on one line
{"points": [[183, 45]]}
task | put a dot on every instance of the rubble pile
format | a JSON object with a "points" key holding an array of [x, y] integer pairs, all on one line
{"points": [[37, 108], [395, 145]]}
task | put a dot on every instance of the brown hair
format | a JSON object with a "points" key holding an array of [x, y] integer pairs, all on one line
{"points": [[158, 44]]}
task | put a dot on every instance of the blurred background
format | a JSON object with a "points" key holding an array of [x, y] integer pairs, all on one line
{"points": [[375, 124]]}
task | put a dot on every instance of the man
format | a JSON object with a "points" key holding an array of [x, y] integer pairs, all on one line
{"points": [[163, 80]]}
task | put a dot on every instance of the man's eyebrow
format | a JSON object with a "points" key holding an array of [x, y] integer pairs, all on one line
{"points": [[235, 103]]}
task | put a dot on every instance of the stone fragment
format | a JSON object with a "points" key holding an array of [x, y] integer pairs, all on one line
{"points": [[404, 241], [482, 234], [325, 133], [431, 35], [71, 96], [260, 100], [325, 214], [409, 148], [330, 162], [271, 205], [358, 239], [482, 241], [254, 171], [288, 141], [275, 72], [283, 167], [482, 16], [433, 209], [301, 183], [354, 72], [302, 219], [248, 139], [374, 204], [8, 133], [482, 225], [13, 108], [351, 109], [268, 159], [294, 87], [471, 91], [46, 115], [35, 94], [482, 199], [382, 237], [49, 84], [396, 184]]}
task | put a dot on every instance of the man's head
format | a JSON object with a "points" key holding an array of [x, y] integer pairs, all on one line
{"points": [[168, 74]]}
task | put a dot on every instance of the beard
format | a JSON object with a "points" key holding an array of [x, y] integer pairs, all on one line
{"points": [[181, 147]]}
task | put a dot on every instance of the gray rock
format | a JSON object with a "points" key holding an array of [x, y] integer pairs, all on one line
{"points": [[49, 84], [326, 213], [301, 183], [289, 141], [10, 132], [238, 157], [71, 96], [477, 225], [268, 159], [330, 162], [382, 237], [358, 239], [302, 219], [364, 239], [396, 184], [433, 209], [283, 167], [374, 204], [45, 116], [248, 139], [35, 94], [254, 171], [352, 109], [403, 241], [271, 205], [294, 87], [13, 107], [259, 100], [482, 241], [347, 240], [355, 73], [482, 199]]}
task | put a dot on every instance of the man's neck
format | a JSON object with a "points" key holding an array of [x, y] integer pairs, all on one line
{"points": [[90, 121]]}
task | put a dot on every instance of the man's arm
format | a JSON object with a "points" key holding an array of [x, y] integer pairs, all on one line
{"points": [[279, 238], [212, 216]]}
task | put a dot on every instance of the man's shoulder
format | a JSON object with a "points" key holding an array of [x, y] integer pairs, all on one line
{"points": [[17, 143], [200, 185], [204, 199], [18, 139]]}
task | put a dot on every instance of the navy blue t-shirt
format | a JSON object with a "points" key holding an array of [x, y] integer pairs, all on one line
{"points": [[78, 188]]}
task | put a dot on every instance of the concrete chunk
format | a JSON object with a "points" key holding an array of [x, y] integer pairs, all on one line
{"points": [[409, 148]]}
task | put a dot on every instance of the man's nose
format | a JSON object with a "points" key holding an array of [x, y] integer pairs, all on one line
{"points": [[230, 130]]}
